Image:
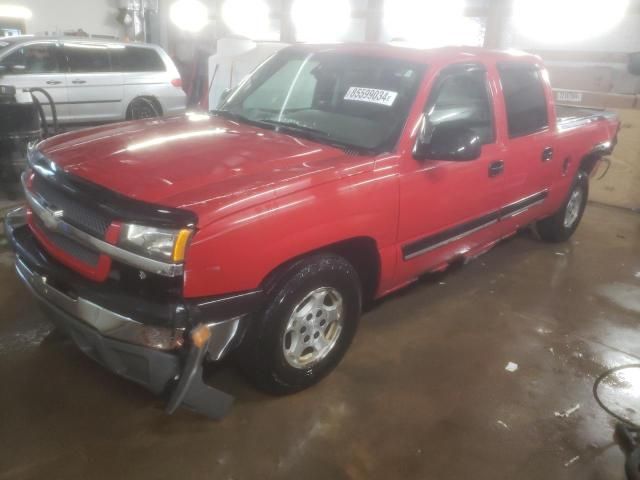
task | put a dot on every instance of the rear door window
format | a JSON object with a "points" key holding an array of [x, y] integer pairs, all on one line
{"points": [[136, 59], [87, 58], [32, 59], [525, 99]]}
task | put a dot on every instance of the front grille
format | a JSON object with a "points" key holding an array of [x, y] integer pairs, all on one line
{"points": [[69, 246], [81, 216]]}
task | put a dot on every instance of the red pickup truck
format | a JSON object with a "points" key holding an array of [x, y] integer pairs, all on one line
{"points": [[333, 175]]}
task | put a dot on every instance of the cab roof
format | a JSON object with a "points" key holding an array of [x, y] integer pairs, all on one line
{"points": [[426, 56]]}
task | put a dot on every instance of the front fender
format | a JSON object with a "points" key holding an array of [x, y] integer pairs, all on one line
{"points": [[236, 253]]}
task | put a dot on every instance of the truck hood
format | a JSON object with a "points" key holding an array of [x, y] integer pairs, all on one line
{"points": [[198, 162]]}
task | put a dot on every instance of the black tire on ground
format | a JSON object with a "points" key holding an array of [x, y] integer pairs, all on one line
{"points": [[141, 108], [560, 226], [267, 350]]}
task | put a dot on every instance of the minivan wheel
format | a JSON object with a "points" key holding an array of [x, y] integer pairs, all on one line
{"points": [[307, 326], [141, 108], [560, 226]]}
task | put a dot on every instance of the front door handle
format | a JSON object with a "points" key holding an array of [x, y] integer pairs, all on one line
{"points": [[78, 82], [547, 154], [496, 168], [54, 82]]}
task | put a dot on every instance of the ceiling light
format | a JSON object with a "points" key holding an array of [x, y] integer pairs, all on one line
{"points": [[423, 23], [325, 21], [248, 18], [571, 21], [189, 15]]}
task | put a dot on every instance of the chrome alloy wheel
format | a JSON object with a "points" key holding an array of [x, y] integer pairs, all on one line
{"points": [[313, 328], [572, 212]]}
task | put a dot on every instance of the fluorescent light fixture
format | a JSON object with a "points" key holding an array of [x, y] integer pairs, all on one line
{"points": [[565, 21], [430, 23], [15, 11], [325, 21], [189, 15], [248, 18]]}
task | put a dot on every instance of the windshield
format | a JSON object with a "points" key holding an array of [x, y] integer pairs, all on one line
{"points": [[347, 100]]}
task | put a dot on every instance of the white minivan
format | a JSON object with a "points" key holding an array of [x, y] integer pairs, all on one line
{"points": [[94, 81]]}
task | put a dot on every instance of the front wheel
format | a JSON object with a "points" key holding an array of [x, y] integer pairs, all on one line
{"points": [[560, 226], [306, 328]]}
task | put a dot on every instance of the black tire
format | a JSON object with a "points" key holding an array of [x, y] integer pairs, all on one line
{"points": [[262, 354], [142, 107], [554, 229]]}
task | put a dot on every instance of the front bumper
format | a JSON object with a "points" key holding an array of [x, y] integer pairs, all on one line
{"points": [[140, 352]]}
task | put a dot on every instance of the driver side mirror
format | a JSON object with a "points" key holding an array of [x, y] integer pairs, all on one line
{"points": [[447, 141]]}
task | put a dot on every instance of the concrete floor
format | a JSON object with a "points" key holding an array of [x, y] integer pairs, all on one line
{"points": [[423, 393]]}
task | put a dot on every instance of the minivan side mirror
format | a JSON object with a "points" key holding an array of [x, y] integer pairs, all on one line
{"points": [[448, 141]]}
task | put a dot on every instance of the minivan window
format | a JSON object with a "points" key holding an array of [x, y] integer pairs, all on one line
{"points": [[136, 59], [525, 99], [462, 98], [32, 59], [87, 58]]}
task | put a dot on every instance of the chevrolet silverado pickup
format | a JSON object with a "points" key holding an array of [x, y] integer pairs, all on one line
{"points": [[331, 176]]}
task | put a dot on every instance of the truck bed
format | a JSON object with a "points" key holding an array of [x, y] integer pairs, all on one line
{"points": [[570, 116]]}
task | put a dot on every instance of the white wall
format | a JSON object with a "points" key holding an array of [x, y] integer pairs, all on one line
{"points": [[96, 17], [625, 37]]}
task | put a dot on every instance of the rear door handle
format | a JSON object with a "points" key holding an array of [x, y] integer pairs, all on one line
{"points": [[54, 82], [547, 154], [78, 82], [496, 168]]}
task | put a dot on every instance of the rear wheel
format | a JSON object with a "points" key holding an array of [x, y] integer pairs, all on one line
{"points": [[306, 328], [560, 226], [141, 108]]}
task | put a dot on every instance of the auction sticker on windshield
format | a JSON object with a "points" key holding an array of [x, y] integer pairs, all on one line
{"points": [[371, 95]]}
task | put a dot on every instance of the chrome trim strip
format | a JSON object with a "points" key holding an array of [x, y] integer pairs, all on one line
{"points": [[450, 240], [527, 203], [522, 210], [524, 200], [226, 299], [108, 323], [52, 220]]}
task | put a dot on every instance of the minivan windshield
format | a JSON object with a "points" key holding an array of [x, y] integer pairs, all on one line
{"points": [[347, 100]]}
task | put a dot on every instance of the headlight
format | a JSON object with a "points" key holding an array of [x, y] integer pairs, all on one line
{"points": [[162, 244]]}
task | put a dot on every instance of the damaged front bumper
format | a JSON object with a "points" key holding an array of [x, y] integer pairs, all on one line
{"points": [[167, 361]]}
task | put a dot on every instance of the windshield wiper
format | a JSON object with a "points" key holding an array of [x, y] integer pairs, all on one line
{"points": [[314, 134], [236, 117], [293, 128], [280, 125]]}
